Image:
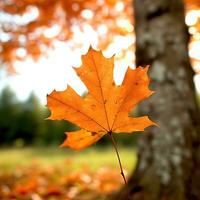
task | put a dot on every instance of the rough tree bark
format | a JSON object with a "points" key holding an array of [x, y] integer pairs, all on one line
{"points": [[169, 155]]}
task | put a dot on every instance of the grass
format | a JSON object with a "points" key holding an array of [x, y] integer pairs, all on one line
{"points": [[94, 158]]}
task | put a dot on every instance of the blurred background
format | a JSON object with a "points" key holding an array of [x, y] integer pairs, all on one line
{"points": [[41, 42]]}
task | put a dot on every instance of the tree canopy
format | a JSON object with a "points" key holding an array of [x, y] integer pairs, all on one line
{"points": [[29, 27]]}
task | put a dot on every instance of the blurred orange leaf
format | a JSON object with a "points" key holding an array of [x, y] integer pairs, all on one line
{"points": [[106, 107]]}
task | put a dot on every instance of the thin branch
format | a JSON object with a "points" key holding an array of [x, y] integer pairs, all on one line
{"points": [[119, 160]]}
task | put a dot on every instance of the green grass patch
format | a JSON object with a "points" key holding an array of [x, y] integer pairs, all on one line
{"points": [[94, 158]]}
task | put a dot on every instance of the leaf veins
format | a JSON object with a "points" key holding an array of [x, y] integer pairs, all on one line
{"points": [[106, 107]]}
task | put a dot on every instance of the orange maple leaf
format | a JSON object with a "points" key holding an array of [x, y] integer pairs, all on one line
{"points": [[106, 106]]}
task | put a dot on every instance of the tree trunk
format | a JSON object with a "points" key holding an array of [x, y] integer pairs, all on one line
{"points": [[169, 155]]}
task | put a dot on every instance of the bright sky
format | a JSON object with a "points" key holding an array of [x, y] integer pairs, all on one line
{"points": [[52, 72], [55, 71]]}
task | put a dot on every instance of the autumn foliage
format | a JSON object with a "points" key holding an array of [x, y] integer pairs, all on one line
{"points": [[64, 15], [37, 182], [106, 107], [24, 24]]}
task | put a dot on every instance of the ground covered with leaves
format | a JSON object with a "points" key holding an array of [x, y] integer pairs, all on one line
{"points": [[61, 179]]}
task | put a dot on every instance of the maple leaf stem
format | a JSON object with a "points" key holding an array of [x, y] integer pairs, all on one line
{"points": [[118, 156]]}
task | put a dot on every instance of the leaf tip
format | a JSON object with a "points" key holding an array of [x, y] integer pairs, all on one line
{"points": [[63, 144], [152, 123]]}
